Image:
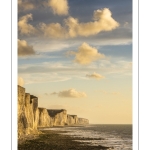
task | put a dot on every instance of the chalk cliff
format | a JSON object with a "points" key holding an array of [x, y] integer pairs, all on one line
{"points": [[22, 119], [72, 120], [58, 116], [44, 118], [83, 121], [28, 113], [32, 112], [30, 117]]}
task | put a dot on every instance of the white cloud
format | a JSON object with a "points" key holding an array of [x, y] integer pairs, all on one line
{"points": [[59, 72], [53, 30], [73, 28], [72, 93], [86, 54], [102, 22], [24, 27], [95, 76], [24, 49], [59, 7], [20, 81]]}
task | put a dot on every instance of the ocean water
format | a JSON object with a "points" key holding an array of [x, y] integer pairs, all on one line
{"points": [[117, 136]]}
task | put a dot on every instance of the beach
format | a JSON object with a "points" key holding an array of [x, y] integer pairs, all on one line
{"points": [[54, 140]]}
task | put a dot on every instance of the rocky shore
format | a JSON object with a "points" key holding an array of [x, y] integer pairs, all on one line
{"points": [[53, 140]]}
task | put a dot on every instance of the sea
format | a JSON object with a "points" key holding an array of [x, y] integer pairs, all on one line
{"points": [[117, 136]]}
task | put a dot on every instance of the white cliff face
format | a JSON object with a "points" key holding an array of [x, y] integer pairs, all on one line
{"points": [[29, 112], [83, 121], [44, 118], [72, 119], [30, 116], [34, 103], [22, 120], [58, 117]]}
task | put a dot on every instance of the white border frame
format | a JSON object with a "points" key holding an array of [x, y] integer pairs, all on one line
{"points": [[135, 75]]}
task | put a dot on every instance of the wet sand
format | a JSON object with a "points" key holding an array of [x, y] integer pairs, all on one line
{"points": [[52, 140]]}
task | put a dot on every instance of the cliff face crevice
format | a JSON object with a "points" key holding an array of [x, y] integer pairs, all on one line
{"points": [[30, 117]]}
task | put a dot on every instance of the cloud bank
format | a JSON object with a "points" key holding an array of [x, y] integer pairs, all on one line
{"points": [[86, 54], [59, 7], [24, 49], [71, 93], [95, 76], [73, 28]]}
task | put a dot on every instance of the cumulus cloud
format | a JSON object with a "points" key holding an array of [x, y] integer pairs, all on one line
{"points": [[20, 81], [95, 76], [53, 30], [86, 54], [72, 93], [24, 5], [24, 49], [24, 27], [59, 7], [73, 28]]}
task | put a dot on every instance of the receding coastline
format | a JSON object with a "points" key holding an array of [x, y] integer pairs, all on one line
{"points": [[31, 118]]}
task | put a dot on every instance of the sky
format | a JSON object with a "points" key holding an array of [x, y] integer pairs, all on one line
{"points": [[77, 55]]}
